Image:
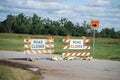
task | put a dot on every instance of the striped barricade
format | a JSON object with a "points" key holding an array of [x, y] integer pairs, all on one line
{"points": [[76, 54], [68, 47], [79, 43], [38, 51], [49, 46]]}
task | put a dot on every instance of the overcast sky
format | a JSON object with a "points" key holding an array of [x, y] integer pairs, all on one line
{"points": [[106, 11]]}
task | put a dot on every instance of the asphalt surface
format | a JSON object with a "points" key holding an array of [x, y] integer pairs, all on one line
{"points": [[68, 70]]}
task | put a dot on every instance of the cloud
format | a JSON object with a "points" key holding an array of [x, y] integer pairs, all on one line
{"points": [[63, 12], [104, 3], [50, 0], [32, 4], [2, 16], [44, 8], [107, 15], [100, 3]]}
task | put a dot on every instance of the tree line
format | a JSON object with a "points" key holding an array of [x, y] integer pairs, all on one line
{"points": [[45, 26]]}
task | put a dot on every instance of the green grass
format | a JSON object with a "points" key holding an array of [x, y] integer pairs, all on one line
{"points": [[9, 73], [6, 73], [105, 48]]}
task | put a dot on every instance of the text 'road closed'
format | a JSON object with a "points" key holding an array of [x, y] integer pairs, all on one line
{"points": [[76, 44], [37, 44]]}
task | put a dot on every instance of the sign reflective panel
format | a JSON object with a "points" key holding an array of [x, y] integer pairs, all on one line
{"points": [[94, 24], [76, 44], [37, 44]]}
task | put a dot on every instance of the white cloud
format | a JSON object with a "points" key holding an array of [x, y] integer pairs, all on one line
{"points": [[101, 3], [89, 9], [63, 12], [29, 7], [110, 19], [105, 3], [3, 16], [32, 4], [45, 5], [106, 15]]}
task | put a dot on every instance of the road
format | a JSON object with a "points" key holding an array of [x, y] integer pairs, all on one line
{"points": [[69, 70]]}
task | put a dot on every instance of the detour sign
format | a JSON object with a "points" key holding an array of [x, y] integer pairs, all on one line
{"points": [[94, 24]]}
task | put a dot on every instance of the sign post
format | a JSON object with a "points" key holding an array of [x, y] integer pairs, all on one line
{"points": [[50, 38], [94, 24], [27, 41]]}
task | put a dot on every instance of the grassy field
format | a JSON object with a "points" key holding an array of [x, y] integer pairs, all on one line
{"points": [[105, 48], [9, 73]]}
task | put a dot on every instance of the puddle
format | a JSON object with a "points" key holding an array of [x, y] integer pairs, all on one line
{"points": [[107, 70], [35, 69]]}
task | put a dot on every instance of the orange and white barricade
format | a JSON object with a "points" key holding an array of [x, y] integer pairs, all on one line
{"points": [[78, 42], [49, 46], [38, 51], [76, 54]]}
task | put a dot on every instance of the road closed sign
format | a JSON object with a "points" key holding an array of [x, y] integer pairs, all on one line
{"points": [[76, 44], [37, 44]]}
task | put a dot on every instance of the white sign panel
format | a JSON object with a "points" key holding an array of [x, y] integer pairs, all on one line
{"points": [[37, 44], [76, 44]]}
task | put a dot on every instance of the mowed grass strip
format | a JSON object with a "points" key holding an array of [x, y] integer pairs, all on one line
{"points": [[10, 73], [11, 44], [105, 48]]}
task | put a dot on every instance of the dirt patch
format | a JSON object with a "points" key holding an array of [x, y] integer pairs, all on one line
{"points": [[14, 64], [20, 66], [17, 65]]}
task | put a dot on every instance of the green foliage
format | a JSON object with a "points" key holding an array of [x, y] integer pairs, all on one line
{"points": [[37, 25], [110, 33], [6, 73]]}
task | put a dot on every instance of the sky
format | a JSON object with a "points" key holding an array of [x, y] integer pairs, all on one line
{"points": [[77, 11]]}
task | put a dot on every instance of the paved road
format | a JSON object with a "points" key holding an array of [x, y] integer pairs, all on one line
{"points": [[69, 70]]}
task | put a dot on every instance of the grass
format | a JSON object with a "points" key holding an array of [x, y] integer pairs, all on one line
{"points": [[9, 73], [105, 48]]}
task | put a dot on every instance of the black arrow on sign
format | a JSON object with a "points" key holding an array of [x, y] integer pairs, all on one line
{"points": [[94, 25]]}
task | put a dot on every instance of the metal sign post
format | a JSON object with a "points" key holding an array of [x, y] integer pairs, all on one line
{"points": [[94, 24], [50, 40], [27, 42], [50, 55], [27, 57], [93, 41]]}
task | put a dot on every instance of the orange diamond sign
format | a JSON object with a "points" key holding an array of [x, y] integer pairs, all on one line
{"points": [[94, 24]]}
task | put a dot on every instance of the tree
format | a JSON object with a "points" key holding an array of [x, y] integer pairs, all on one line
{"points": [[63, 21], [118, 34], [8, 24], [53, 31], [1, 27], [108, 33], [37, 25]]}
